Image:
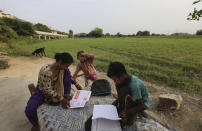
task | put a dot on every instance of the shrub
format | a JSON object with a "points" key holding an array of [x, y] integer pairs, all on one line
{"points": [[6, 33], [21, 27]]}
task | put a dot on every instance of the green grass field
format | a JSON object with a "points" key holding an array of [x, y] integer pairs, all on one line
{"points": [[173, 62]]}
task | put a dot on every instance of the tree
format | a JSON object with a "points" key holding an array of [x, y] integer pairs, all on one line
{"points": [[146, 33], [107, 35], [70, 33], [41, 27], [80, 35], [196, 14], [62, 33], [199, 32], [139, 33], [97, 32], [21, 27], [119, 34], [143, 33]]}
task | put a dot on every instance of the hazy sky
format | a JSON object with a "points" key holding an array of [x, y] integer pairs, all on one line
{"points": [[124, 16]]}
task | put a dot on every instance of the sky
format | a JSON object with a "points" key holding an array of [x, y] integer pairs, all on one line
{"points": [[124, 16]]}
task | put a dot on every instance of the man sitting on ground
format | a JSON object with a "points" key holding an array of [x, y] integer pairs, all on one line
{"points": [[132, 93]]}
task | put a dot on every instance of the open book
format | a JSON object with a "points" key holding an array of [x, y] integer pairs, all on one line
{"points": [[80, 98], [105, 118]]}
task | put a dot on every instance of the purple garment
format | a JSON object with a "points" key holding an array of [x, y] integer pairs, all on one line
{"points": [[34, 102], [67, 82], [38, 99]]}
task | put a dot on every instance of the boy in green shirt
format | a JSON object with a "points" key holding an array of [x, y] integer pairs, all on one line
{"points": [[132, 93]]}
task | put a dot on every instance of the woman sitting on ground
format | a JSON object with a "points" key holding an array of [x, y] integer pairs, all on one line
{"points": [[53, 87]]}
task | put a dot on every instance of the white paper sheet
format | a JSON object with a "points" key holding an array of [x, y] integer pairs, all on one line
{"points": [[105, 118], [105, 111], [80, 98], [100, 124]]}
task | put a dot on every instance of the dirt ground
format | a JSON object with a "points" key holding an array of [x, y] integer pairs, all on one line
{"points": [[24, 70]]}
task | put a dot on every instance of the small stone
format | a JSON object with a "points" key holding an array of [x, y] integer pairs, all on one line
{"points": [[3, 53], [3, 64], [169, 102]]}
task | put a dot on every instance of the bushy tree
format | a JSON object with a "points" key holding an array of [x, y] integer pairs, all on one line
{"points": [[41, 27], [97, 32], [71, 33], [199, 32], [143, 33], [119, 34], [139, 33], [146, 33], [21, 27]]}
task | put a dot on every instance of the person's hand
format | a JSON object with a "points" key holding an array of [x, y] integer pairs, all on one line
{"points": [[65, 103], [68, 97], [124, 116], [115, 103], [73, 78]]}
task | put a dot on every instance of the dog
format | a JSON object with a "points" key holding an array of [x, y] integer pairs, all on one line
{"points": [[40, 52]]}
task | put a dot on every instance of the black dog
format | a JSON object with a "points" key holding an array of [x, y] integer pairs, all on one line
{"points": [[40, 52]]}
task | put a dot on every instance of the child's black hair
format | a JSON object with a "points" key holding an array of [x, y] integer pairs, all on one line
{"points": [[79, 52], [65, 58], [116, 69]]}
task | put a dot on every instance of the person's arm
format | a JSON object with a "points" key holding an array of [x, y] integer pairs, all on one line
{"points": [[138, 108], [76, 72], [115, 103], [76, 85], [134, 110]]}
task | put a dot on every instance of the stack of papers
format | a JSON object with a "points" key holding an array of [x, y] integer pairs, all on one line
{"points": [[105, 118], [80, 98]]}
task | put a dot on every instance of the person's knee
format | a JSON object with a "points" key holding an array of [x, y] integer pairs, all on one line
{"points": [[30, 110]]}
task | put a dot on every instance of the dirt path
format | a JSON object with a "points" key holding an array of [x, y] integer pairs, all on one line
{"points": [[23, 70]]}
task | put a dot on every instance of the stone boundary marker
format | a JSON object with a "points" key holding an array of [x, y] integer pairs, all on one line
{"points": [[169, 102]]}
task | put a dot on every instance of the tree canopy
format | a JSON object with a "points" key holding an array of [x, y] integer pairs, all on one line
{"points": [[41, 27], [21, 27], [71, 33], [97, 32], [197, 13]]}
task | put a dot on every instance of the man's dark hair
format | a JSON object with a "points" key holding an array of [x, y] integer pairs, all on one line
{"points": [[116, 69], [79, 52], [65, 58]]}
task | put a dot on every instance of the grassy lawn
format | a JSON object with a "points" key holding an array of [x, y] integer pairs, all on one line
{"points": [[173, 62]]}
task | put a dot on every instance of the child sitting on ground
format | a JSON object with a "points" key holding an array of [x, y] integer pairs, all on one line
{"points": [[132, 93], [86, 65]]}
